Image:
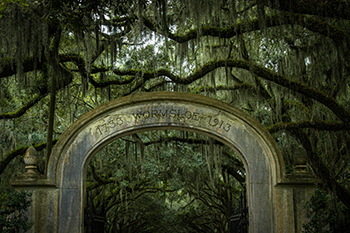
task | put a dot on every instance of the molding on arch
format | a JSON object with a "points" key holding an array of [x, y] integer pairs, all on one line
{"points": [[236, 117]]}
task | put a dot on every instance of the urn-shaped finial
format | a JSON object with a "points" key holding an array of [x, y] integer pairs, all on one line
{"points": [[300, 159], [31, 160]]}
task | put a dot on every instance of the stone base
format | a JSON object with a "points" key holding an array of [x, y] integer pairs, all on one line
{"points": [[44, 205], [291, 195]]}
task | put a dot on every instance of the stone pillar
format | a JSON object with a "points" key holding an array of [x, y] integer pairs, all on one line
{"points": [[43, 209], [292, 193]]}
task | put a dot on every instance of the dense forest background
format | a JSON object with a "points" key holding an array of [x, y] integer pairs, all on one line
{"points": [[285, 63]]}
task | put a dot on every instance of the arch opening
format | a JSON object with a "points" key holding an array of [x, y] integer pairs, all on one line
{"points": [[162, 179]]}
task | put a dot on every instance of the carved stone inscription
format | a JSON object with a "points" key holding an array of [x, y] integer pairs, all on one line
{"points": [[183, 116], [109, 122], [165, 113]]}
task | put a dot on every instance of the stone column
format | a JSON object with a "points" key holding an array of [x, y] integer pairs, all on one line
{"points": [[43, 210], [292, 193]]}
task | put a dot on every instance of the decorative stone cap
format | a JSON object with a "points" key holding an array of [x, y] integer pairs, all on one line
{"points": [[31, 161], [300, 159], [31, 177]]}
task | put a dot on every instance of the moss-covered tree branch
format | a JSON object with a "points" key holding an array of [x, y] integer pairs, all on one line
{"points": [[20, 111], [260, 71], [239, 86], [44, 91], [9, 66], [296, 86], [234, 30]]}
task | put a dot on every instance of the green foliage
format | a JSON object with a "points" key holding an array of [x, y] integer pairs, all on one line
{"points": [[125, 45], [320, 213], [170, 181], [12, 206], [5, 4]]}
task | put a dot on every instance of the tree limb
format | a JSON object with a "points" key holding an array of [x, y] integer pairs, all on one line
{"points": [[238, 29], [239, 86], [20, 111], [262, 72], [9, 66], [302, 88]]}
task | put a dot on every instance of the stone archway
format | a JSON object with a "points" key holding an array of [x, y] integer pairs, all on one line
{"points": [[271, 203]]}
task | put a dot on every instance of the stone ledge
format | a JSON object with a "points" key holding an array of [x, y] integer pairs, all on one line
{"points": [[25, 181], [299, 178]]}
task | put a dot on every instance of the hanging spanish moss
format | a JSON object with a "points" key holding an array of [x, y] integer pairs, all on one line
{"points": [[172, 171], [284, 63]]}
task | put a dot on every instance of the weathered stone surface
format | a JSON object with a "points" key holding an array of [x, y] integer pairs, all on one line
{"points": [[31, 160], [169, 110], [44, 207], [290, 199]]}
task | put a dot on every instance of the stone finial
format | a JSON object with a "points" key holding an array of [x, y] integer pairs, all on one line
{"points": [[31, 160], [300, 159]]}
